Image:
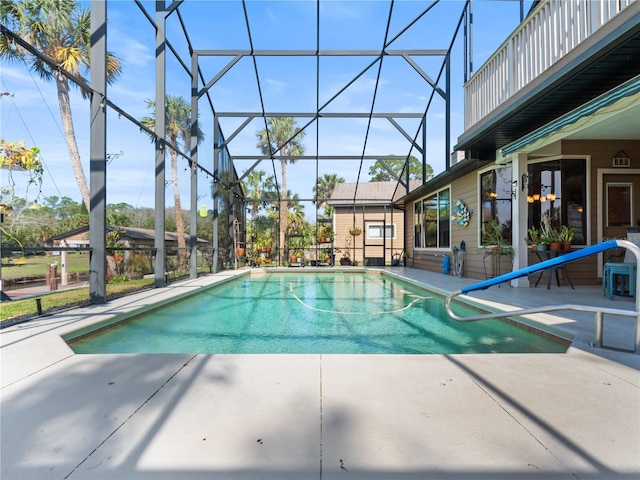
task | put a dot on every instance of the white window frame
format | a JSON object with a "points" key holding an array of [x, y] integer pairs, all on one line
{"points": [[480, 173], [422, 230], [380, 226]]}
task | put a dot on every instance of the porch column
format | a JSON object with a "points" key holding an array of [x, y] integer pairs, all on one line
{"points": [[520, 218]]}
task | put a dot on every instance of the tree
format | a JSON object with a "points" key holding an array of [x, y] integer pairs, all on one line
{"points": [[284, 137], [119, 214], [63, 208], [61, 31], [178, 129], [324, 189], [379, 173], [260, 189]]}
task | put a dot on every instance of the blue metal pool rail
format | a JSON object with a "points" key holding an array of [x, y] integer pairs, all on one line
{"points": [[552, 263], [538, 267]]}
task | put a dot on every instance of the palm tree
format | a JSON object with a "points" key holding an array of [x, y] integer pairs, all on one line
{"points": [[284, 137], [61, 31], [178, 128], [324, 189], [260, 188]]}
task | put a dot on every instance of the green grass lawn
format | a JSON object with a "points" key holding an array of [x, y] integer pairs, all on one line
{"points": [[28, 307], [61, 299], [37, 264]]}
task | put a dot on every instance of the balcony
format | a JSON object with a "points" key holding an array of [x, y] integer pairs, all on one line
{"points": [[532, 63]]}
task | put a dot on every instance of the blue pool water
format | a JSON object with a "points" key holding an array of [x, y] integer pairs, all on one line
{"points": [[310, 313]]}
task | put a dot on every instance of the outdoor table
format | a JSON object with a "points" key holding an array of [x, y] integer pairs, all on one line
{"points": [[552, 254]]}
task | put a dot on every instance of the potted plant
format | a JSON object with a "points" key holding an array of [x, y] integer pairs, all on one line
{"points": [[405, 255], [355, 231], [345, 260], [533, 237], [543, 243], [548, 234], [566, 236], [493, 239]]}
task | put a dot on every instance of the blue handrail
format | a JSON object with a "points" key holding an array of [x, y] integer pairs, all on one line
{"points": [[551, 263]]}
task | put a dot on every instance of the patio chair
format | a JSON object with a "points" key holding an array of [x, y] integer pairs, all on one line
{"points": [[395, 259], [620, 277]]}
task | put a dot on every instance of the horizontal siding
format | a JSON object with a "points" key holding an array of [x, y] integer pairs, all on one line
{"points": [[344, 219], [583, 272]]}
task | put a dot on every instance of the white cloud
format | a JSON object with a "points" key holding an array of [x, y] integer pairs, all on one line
{"points": [[277, 85]]}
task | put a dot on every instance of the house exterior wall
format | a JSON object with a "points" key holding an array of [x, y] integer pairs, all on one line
{"points": [[362, 245], [465, 189], [599, 155], [79, 239]]}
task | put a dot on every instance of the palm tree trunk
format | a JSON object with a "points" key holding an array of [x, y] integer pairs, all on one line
{"points": [[182, 264], [70, 136]]}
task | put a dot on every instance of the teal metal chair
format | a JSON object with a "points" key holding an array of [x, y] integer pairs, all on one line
{"points": [[619, 278]]}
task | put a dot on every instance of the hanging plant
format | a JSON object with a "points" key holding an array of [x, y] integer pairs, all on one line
{"points": [[15, 156], [463, 215], [355, 231]]}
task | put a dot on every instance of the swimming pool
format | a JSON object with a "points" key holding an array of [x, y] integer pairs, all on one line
{"points": [[309, 313]]}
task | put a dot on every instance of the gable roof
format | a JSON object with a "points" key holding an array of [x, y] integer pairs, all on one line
{"points": [[130, 233], [368, 193]]}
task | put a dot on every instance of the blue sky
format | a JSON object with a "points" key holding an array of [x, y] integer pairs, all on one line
{"points": [[288, 84]]}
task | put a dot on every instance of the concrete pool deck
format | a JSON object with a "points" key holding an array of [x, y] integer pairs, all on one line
{"points": [[506, 416]]}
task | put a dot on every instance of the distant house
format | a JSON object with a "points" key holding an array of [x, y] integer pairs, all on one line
{"points": [[132, 238], [369, 207]]}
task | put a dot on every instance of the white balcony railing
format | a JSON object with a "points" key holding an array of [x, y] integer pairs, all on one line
{"points": [[552, 30]]}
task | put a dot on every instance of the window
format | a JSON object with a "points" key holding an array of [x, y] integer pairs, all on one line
{"points": [[417, 224], [495, 199], [374, 231], [558, 188], [433, 220], [619, 203]]}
